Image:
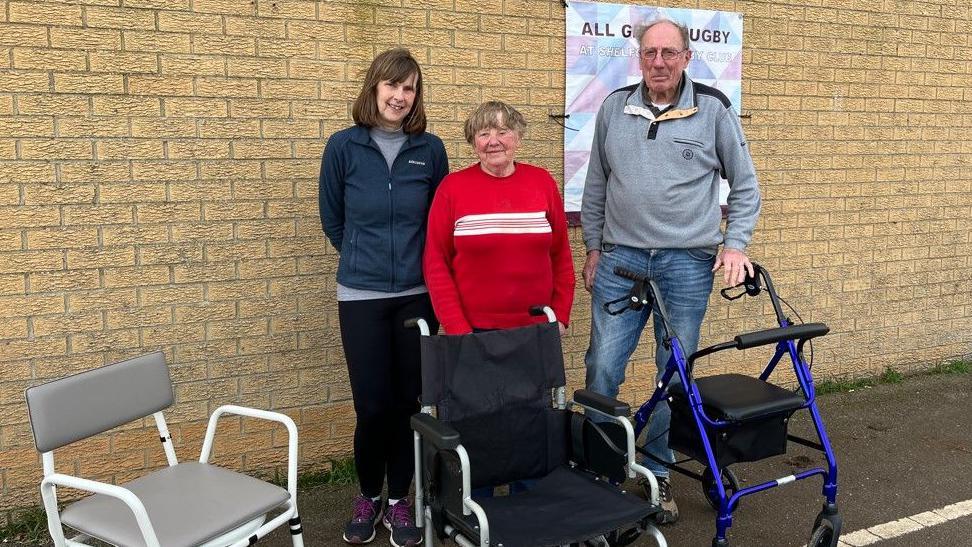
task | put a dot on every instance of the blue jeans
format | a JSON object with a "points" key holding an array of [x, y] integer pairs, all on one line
{"points": [[684, 277]]}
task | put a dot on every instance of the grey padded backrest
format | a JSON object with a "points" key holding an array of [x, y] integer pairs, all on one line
{"points": [[85, 404]]}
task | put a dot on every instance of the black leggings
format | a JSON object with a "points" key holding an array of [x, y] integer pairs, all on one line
{"points": [[385, 369]]}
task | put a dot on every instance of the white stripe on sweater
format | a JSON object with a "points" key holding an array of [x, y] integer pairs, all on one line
{"points": [[502, 223]]}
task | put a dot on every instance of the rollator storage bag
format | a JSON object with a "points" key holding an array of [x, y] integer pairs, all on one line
{"points": [[759, 413]]}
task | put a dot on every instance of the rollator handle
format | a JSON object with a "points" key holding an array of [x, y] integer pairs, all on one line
{"points": [[770, 336]]}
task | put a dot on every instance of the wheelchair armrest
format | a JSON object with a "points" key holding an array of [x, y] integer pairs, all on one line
{"points": [[771, 336], [601, 403], [439, 434]]}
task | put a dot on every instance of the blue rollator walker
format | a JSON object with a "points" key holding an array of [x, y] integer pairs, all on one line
{"points": [[728, 418]]}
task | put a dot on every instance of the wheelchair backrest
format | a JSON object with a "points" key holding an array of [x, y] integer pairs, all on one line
{"points": [[495, 389], [79, 406]]}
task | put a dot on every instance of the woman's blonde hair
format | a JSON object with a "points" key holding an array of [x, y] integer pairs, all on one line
{"points": [[496, 115], [395, 65]]}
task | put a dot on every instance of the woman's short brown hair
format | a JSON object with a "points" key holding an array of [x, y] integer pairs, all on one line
{"points": [[494, 114], [395, 65]]}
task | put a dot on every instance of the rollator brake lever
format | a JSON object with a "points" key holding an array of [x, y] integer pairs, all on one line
{"points": [[636, 300], [750, 286]]}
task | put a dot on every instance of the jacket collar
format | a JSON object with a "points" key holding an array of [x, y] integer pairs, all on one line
{"points": [[685, 105]]}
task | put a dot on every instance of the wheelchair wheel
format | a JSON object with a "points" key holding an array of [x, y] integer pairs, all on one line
{"points": [[729, 483]]}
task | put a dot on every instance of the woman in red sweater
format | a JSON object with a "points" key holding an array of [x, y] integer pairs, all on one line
{"points": [[497, 234]]}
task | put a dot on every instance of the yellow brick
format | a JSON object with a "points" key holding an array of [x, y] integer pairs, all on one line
{"points": [[170, 254], [197, 23], [164, 127], [27, 127], [86, 38], [199, 149], [11, 284], [183, 274], [171, 294], [223, 45], [152, 42], [64, 280], [99, 172], [44, 13], [36, 149], [263, 68], [193, 107], [206, 311], [142, 317], [228, 129], [119, 18], [308, 129], [29, 261], [200, 190], [208, 232], [193, 65], [123, 149], [67, 324], [255, 27], [151, 213], [242, 7], [163, 170], [48, 59], [286, 49], [23, 35], [22, 81], [61, 238], [226, 87], [97, 214], [28, 217], [123, 61], [132, 192], [88, 83], [32, 173], [160, 85], [114, 236]]}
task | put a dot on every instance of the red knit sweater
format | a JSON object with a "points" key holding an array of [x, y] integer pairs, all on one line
{"points": [[496, 247]]}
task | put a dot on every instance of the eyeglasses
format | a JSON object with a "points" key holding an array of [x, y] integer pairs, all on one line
{"points": [[666, 53]]}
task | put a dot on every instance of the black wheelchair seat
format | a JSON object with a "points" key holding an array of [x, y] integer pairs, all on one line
{"points": [[738, 397], [563, 507]]}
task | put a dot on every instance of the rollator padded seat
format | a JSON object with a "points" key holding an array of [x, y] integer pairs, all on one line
{"points": [[758, 413], [563, 507], [187, 504], [739, 397]]}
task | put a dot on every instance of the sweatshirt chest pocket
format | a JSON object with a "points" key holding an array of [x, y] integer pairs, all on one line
{"points": [[692, 155]]}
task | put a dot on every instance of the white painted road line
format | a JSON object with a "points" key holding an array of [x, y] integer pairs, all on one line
{"points": [[906, 525]]}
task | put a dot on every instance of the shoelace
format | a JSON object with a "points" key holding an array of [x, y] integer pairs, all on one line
{"points": [[364, 509], [400, 514]]}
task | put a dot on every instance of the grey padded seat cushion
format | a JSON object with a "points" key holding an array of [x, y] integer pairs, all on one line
{"points": [[188, 504]]}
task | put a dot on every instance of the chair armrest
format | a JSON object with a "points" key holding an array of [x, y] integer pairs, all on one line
{"points": [[602, 403], [262, 415], [439, 434], [120, 493]]}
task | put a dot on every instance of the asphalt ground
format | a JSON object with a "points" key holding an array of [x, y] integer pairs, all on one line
{"points": [[902, 449]]}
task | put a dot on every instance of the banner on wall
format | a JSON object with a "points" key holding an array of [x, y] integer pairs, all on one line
{"points": [[602, 55]]}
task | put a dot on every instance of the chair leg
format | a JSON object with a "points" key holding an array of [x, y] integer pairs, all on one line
{"points": [[429, 532], [296, 532]]}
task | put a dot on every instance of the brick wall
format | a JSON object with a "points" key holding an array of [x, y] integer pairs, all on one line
{"points": [[158, 190]]}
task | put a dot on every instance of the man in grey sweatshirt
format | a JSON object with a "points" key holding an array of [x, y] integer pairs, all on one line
{"points": [[651, 205]]}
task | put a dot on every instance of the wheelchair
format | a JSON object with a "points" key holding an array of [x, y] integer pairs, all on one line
{"points": [[725, 419], [502, 417]]}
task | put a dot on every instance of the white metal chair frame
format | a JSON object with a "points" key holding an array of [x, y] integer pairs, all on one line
{"points": [[247, 534]]}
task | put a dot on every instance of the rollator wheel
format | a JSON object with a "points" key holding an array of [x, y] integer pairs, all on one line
{"points": [[826, 531], [729, 483]]}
